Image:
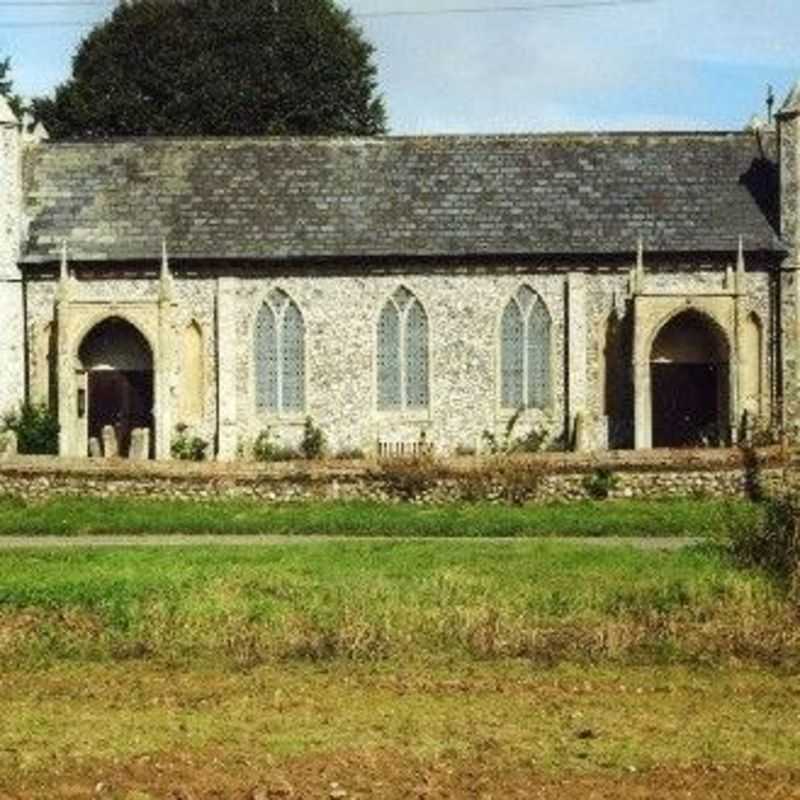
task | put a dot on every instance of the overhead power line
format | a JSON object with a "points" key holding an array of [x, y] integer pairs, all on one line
{"points": [[424, 12], [553, 5], [53, 3], [520, 9]]}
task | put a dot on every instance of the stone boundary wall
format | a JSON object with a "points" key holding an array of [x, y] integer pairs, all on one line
{"points": [[545, 477]]}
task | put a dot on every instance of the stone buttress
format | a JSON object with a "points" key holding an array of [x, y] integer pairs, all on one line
{"points": [[12, 335], [788, 119]]}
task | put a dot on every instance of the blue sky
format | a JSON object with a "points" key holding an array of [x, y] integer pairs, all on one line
{"points": [[665, 64]]}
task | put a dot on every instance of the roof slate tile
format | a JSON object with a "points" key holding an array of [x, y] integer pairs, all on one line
{"points": [[431, 196]]}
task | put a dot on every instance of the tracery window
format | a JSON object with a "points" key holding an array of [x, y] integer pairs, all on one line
{"points": [[402, 353], [279, 355], [525, 352]]}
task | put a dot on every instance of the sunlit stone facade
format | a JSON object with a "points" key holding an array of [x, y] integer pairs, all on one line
{"points": [[610, 291]]}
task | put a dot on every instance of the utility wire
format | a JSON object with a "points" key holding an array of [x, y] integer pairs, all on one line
{"points": [[426, 12], [526, 9], [558, 5]]}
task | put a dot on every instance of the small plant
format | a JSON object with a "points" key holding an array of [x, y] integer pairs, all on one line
{"points": [[265, 448], [752, 473], [186, 447], [600, 483], [762, 432], [36, 427], [502, 445], [349, 454], [312, 445], [531, 442]]}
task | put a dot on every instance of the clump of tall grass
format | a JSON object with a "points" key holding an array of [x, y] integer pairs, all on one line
{"points": [[774, 543]]}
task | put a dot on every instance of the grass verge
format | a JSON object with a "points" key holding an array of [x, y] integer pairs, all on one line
{"points": [[87, 516], [369, 601]]}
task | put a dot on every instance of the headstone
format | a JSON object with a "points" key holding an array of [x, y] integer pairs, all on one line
{"points": [[8, 444], [140, 444], [95, 451], [110, 446]]}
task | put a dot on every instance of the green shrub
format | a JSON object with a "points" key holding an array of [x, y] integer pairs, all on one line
{"points": [[600, 483], [773, 545], [36, 427], [312, 445], [265, 448], [185, 447]]}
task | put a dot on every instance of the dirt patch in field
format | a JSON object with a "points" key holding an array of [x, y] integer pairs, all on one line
{"points": [[388, 775]]}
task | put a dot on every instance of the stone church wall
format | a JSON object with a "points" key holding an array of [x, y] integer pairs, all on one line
{"points": [[341, 314], [340, 308]]}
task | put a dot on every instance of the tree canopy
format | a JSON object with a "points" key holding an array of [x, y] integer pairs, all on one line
{"points": [[7, 88], [219, 67]]}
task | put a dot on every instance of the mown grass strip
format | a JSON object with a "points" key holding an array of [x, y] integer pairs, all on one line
{"points": [[88, 516]]}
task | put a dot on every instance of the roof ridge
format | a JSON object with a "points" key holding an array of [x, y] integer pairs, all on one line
{"points": [[405, 138]]}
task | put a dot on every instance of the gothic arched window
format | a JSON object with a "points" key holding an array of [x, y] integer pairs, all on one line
{"points": [[525, 352], [402, 353], [279, 354]]}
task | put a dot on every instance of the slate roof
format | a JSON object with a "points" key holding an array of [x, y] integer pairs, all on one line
{"points": [[407, 196]]}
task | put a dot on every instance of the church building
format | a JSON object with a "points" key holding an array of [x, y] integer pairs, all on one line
{"points": [[614, 290]]}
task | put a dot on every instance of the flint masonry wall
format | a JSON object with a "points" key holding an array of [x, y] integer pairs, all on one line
{"points": [[340, 307], [544, 478]]}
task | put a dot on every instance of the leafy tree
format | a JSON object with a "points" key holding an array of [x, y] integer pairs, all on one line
{"points": [[7, 88], [219, 67]]}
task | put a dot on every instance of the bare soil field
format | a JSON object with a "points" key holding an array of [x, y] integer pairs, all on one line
{"points": [[481, 730]]}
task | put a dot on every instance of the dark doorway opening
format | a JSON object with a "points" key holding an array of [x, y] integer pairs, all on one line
{"points": [[122, 399], [689, 383], [685, 404], [119, 365]]}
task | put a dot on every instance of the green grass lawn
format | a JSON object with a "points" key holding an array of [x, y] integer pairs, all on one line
{"points": [[73, 516], [438, 668], [361, 600]]}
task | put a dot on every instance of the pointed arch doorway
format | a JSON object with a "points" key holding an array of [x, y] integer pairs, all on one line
{"points": [[118, 363], [690, 382]]}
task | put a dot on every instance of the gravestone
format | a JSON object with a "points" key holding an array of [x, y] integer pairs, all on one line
{"points": [[140, 444], [110, 446], [95, 451], [8, 444]]}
